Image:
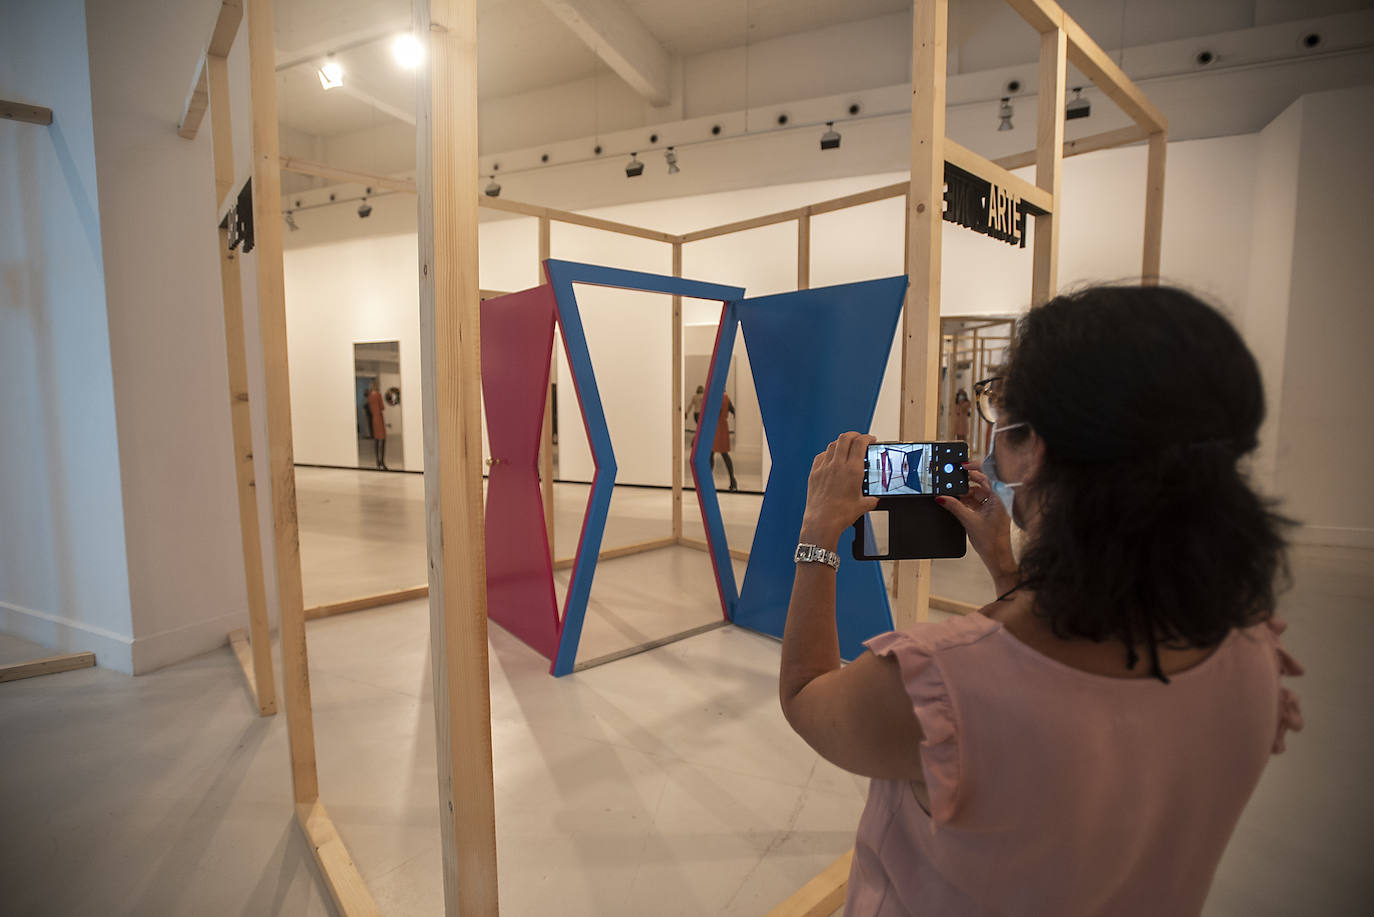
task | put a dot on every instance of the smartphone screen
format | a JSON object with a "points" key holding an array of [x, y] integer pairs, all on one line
{"points": [[915, 469]]}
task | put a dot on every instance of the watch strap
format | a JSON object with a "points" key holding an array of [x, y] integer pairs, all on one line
{"points": [[815, 554]]}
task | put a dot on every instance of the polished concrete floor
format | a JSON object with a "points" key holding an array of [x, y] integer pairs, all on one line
{"points": [[666, 783]]}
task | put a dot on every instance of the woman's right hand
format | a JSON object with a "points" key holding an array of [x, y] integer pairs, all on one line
{"points": [[987, 524]]}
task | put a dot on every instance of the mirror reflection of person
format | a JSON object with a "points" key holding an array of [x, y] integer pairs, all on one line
{"points": [[963, 410], [722, 440], [376, 406], [694, 406]]}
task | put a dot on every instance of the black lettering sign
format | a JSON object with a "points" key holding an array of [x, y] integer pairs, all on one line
{"points": [[984, 207]]}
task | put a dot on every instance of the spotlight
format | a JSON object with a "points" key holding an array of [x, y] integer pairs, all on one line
{"points": [[1005, 113], [290, 221], [1078, 106], [492, 189], [830, 140], [634, 168], [407, 51], [670, 157], [364, 210], [331, 74]]}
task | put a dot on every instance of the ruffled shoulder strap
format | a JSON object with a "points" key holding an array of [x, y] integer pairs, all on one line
{"points": [[1290, 712], [917, 654]]}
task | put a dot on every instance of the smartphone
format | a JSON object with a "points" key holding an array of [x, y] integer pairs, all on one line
{"points": [[915, 469]]}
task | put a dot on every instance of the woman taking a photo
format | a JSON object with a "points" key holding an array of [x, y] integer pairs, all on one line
{"points": [[1086, 742]]}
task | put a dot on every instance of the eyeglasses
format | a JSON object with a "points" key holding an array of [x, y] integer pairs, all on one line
{"points": [[987, 394]]}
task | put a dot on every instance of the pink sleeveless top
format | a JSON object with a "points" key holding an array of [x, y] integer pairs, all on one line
{"points": [[1056, 791]]}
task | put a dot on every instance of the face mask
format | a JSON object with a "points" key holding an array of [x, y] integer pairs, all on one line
{"points": [[1004, 491]]}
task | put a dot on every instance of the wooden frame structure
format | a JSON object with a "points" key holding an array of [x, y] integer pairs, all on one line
{"points": [[447, 147]]}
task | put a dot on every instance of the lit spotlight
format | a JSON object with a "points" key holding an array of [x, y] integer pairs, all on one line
{"points": [[830, 140], [1005, 113], [634, 168], [670, 157], [331, 74], [407, 51], [492, 189]]}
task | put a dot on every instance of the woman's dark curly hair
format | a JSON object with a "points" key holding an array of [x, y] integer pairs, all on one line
{"points": [[1146, 399]]}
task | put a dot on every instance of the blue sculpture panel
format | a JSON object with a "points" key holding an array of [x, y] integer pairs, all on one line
{"points": [[818, 358]]}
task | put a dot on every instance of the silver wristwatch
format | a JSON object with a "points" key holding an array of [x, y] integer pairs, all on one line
{"points": [[813, 554]]}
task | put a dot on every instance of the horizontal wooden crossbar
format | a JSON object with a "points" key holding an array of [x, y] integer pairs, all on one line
{"points": [[689, 542], [323, 170], [638, 547], [986, 169], [48, 665], [366, 601], [820, 897], [1090, 144], [22, 111], [650, 645], [346, 886]]}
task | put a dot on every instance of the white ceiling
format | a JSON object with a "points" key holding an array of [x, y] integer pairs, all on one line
{"points": [[523, 46]]}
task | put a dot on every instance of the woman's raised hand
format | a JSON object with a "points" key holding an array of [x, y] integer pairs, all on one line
{"points": [[834, 493], [987, 524]]}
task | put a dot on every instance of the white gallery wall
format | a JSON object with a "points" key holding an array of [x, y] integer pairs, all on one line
{"points": [[64, 578]]}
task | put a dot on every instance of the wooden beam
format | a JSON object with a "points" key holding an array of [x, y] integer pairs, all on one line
{"points": [[23, 111], [451, 354], [221, 41], [638, 547], [377, 600], [48, 665], [243, 652], [675, 399], [1093, 62], [1049, 164], [618, 37], [988, 170], [924, 229], [859, 198], [350, 176], [654, 644], [940, 603], [822, 896], [300, 722], [1041, 15], [1090, 144], [226, 27], [690, 542], [804, 251], [346, 887], [1154, 209], [546, 434], [193, 112], [263, 682], [782, 216]]}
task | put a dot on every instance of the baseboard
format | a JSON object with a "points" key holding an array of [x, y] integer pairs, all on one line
{"points": [[155, 651], [1333, 536], [64, 635]]}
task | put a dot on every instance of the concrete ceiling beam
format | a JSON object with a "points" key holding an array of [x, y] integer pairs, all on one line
{"points": [[622, 41]]}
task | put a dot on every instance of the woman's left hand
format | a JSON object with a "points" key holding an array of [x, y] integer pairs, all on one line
{"points": [[834, 493]]}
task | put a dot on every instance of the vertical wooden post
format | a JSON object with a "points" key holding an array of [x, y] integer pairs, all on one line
{"points": [[951, 367], [546, 442], [1049, 161], [921, 317], [235, 352], [676, 399], [267, 227], [446, 158], [804, 251], [1154, 209]]}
